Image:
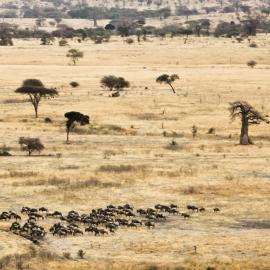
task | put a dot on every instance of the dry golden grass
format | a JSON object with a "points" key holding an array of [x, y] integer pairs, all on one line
{"points": [[123, 155]]}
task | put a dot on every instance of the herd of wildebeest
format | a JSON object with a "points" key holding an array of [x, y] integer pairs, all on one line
{"points": [[99, 222]]}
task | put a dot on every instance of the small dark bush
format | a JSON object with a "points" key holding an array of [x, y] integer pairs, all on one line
{"points": [[173, 145], [211, 131], [252, 63], [81, 254], [67, 255], [253, 45], [129, 41], [116, 94], [48, 120], [74, 84], [4, 151], [63, 43]]}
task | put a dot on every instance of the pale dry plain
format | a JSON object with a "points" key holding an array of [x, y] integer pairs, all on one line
{"points": [[210, 170]]}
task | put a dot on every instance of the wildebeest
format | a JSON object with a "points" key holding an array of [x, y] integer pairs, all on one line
{"points": [[192, 207], [99, 221], [185, 215], [149, 224]]}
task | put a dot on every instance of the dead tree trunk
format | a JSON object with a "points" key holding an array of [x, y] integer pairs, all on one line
{"points": [[95, 19], [244, 138]]}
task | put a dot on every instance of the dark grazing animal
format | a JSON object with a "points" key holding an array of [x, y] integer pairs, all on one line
{"points": [[99, 221], [43, 209], [149, 224], [185, 215], [193, 208]]}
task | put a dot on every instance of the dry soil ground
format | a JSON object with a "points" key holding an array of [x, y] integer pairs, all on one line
{"points": [[210, 170]]}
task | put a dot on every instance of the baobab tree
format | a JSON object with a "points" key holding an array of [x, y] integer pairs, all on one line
{"points": [[36, 90], [73, 118], [74, 55], [168, 79], [248, 116]]}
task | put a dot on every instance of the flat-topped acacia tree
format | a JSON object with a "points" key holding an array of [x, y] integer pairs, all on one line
{"points": [[36, 90], [112, 82], [248, 116], [168, 79], [73, 118]]}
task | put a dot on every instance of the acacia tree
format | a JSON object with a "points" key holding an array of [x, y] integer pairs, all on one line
{"points": [[6, 33], [31, 145], [73, 118], [46, 39], [248, 116], [109, 27], [168, 79], [74, 55], [5, 40], [36, 90], [112, 82]]}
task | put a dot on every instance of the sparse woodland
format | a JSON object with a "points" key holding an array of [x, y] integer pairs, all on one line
{"points": [[134, 134]]}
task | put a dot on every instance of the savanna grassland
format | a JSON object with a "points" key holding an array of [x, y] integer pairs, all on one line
{"points": [[125, 155]]}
